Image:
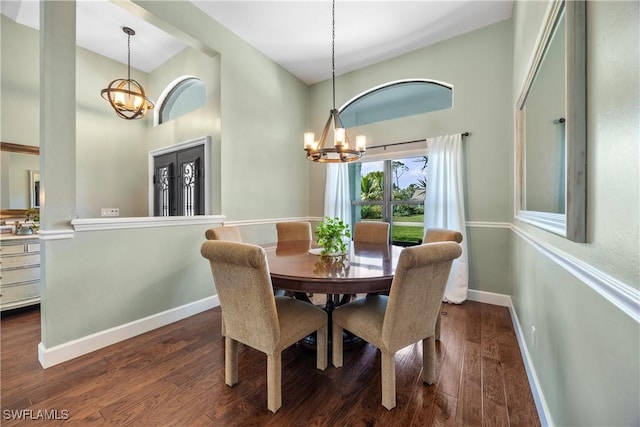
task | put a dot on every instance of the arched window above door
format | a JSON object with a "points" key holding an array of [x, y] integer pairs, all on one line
{"points": [[182, 96], [396, 99]]}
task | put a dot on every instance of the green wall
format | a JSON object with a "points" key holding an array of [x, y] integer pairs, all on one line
{"points": [[586, 350], [478, 65], [96, 280]]}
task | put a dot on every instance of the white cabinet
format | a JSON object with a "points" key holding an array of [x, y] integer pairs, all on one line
{"points": [[19, 271]]}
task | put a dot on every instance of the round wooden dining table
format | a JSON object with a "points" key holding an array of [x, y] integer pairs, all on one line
{"points": [[297, 267], [367, 267]]}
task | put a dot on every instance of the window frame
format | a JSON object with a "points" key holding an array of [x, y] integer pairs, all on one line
{"points": [[387, 202]]}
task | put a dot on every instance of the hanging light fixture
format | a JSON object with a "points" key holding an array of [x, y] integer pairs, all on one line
{"points": [[126, 96], [341, 149]]}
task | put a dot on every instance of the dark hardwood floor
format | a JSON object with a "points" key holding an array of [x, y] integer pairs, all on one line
{"points": [[174, 376]]}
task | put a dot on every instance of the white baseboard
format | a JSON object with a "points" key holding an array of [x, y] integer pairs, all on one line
{"points": [[536, 390], [489, 298], [505, 301], [61, 353]]}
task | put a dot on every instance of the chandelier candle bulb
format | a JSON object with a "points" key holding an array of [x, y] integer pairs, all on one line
{"points": [[309, 140], [361, 143], [340, 136]]}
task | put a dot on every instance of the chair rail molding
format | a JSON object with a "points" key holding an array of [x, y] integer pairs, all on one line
{"points": [[97, 224], [623, 296]]}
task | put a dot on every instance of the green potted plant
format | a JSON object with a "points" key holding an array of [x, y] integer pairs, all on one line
{"points": [[331, 234], [32, 219]]}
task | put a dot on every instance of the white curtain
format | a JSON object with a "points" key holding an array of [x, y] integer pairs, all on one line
{"points": [[337, 201], [444, 205]]}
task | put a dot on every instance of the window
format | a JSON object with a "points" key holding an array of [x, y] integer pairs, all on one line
{"points": [[182, 96], [177, 176], [392, 191], [396, 99]]}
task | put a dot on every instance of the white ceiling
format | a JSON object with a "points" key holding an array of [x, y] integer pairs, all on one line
{"points": [[296, 33]]}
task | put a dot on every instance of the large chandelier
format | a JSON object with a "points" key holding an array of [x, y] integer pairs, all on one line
{"points": [[126, 96], [341, 149]]}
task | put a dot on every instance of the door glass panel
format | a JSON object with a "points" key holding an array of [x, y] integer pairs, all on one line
{"points": [[407, 225]]}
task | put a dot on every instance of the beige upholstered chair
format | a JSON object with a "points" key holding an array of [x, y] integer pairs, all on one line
{"points": [[254, 317], [371, 232], [288, 231], [406, 316], [231, 234], [441, 235]]}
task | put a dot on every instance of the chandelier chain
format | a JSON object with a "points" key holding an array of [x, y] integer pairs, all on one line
{"points": [[128, 56], [333, 51]]}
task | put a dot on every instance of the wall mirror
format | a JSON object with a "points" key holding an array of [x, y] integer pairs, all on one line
{"points": [[551, 126], [19, 177]]}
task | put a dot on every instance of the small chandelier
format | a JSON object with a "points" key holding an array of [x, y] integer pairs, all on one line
{"points": [[342, 150], [126, 96]]}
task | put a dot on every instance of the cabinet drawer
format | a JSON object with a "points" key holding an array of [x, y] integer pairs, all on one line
{"points": [[20, 292], [33, 248], [19, 275], [12, 249], [20, 261]]}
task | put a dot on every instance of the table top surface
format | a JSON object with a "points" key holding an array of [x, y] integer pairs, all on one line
{"points": [[367, 267]]}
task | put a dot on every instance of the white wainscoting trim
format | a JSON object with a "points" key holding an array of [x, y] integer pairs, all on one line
{"points": [[489, 298], [117, 223], [487, 224], [541, 403], [623, 296], [61, 353], [55, 234], [246, 222]]}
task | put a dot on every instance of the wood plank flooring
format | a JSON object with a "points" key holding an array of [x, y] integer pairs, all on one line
{"points": [[174, 376]]}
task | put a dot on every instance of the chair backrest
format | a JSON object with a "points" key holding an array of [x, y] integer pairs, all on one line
{"points": [[231, 234], [442, 235], [371, 232], [241, 277], [297, 230], [416, 293]]}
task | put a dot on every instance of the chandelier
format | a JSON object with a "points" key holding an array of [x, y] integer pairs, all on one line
{"points": [[126, 96], [341, 150]]}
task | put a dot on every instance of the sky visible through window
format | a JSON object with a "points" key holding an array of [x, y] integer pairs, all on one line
{"points": [[414, 173]]}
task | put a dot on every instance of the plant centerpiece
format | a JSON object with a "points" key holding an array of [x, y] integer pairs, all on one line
{"points": [[331, 234], [31, 222]]}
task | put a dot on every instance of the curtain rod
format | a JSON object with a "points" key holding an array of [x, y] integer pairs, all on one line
{"points": [[406, 142]]}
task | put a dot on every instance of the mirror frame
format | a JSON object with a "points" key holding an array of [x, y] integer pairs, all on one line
{"points": [[16, 148], [571, 224]]}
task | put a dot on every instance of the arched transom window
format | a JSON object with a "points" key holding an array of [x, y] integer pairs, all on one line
{"points": [[396, 99], [182, 96]]}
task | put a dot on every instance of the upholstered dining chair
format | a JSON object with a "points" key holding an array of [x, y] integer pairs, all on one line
{"points": [[441, 235], [371, 232], [296, 230], [255, 317], [231, 234], [406, 316]]}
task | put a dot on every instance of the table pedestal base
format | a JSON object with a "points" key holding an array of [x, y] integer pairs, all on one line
{"points": [[333, 301]]}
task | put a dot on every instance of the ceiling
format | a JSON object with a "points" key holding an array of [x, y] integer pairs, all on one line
{"points": [[294, 34]]}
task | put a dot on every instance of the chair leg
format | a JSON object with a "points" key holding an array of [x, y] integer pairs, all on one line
{"points": [[321, 346], [337, 346], [438, 320], [230, 361], [274, 382], [429, 360], [388, 380], [223, 330]]}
